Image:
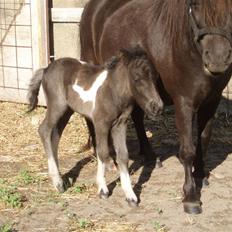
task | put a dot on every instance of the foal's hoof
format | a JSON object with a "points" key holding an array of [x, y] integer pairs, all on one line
{"points": [[103, 195], [192, 208], [132, 203], [60, 188]]}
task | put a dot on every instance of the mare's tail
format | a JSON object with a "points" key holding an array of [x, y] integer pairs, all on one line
{"points": [[34, 87]]}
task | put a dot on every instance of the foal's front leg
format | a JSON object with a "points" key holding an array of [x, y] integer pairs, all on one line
{"points": [[119, 139]]}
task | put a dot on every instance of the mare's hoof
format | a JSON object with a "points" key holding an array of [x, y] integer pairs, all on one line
{"points": [[158, 163], [103, 195], [205, 182], [192, 208], [132, 203]]}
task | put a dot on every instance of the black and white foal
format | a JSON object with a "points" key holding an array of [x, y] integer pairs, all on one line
{"points": [[103, 94]]}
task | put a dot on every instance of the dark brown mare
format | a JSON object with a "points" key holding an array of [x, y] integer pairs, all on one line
{"points": [[189, 43], [106, 96]]}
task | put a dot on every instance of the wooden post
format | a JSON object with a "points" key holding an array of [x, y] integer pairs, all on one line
{"points": [[40, 33], [40, 38]]}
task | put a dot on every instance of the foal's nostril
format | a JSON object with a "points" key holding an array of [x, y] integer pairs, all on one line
{"points": [[156, 107]]}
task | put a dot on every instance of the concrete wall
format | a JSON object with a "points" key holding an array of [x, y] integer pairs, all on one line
{"points": [[66, 35], [69, 3]]}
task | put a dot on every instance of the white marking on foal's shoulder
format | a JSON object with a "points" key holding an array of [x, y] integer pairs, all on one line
{"points": [[90, 94]]}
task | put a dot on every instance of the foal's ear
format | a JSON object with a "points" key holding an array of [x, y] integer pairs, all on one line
{"points": [[125, 52], [126, 55]]}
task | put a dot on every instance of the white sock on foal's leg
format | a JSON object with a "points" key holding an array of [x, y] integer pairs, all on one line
{"points": [[55, 175], [101, 182], [127, 188]]}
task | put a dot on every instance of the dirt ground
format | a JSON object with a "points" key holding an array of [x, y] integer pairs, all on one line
{"points": [[28, 201]]}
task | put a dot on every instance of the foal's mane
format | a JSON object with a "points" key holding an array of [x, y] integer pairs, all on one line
{"points": [[174, 15], [131, 54]]}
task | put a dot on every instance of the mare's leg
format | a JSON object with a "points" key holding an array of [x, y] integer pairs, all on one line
{"points": [[92, 136], [205, 120], [102, 149], [119, 139], [50, 131], [184, 115], [145, 147]]}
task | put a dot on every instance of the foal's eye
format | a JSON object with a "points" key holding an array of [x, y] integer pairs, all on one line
{"points": [[137, 78]]}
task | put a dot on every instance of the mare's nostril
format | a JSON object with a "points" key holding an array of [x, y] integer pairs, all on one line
{"points": [[206, 54]]}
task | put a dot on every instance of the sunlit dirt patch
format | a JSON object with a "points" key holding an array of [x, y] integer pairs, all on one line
{"points": [[28, 201]]}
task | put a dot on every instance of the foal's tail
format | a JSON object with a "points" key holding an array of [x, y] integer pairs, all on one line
{"points": [[34, 87]]}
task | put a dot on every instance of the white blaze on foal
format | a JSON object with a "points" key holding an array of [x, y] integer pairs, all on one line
{"points": [[90, 94]]}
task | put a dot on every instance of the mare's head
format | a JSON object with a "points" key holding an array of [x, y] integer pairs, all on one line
{"points": [[211, 23], [142, 77]]}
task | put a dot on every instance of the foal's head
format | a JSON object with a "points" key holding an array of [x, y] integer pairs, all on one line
{"points": [[142, 76]]}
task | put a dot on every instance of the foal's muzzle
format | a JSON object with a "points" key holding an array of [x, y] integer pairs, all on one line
{"points": [[154, 108]]}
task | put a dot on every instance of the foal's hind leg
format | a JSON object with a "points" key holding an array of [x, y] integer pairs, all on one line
{"points": [[48, 131], [119, 139], [57, 133]]}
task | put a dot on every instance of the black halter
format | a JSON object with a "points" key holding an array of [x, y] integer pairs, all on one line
{"points": [[199, 33]]}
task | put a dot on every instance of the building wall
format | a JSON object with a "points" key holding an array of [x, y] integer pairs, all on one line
{"points": [[69, 3], [66, 35]]}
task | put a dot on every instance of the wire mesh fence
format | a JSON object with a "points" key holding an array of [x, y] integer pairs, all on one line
{"points": [[16, 60]]}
